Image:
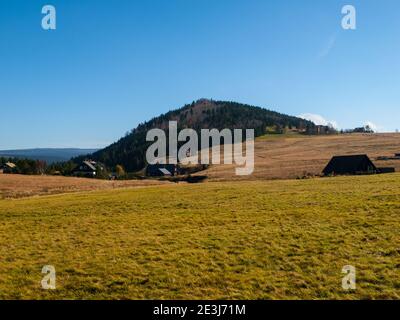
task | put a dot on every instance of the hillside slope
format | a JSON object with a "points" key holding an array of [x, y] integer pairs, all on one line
{"points": [[290, 157], [276, 157], [130, 150]]}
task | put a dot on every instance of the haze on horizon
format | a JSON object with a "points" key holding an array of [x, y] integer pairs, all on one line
{"points": [[108, 67]]}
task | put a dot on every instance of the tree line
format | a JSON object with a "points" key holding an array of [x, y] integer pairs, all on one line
{"points": [[65, 168], [25, 166]]}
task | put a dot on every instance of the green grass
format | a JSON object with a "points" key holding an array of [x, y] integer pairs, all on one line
{"points": [[244, 240]]}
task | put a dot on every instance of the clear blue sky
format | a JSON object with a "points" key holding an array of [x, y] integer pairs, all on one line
{"points": [[113, 64]]}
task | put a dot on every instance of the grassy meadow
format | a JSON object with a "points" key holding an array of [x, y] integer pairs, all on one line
{"points": [[286, 239]]}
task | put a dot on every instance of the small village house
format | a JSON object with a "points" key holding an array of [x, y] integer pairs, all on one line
{"points": [[321, 130], [350, 165], [8, 167], [86, 169]]}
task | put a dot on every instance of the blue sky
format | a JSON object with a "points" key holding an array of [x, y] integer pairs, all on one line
{"points": [[110, 65]]}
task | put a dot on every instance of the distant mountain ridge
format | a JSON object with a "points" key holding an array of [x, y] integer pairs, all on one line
{"points": [[130, 150], [50, 155]]}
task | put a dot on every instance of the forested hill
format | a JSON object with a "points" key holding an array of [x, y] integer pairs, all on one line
{"points": [[130, 151]]}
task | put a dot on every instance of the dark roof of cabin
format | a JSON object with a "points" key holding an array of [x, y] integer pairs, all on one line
{"points": [[155, 169], [10, 165], [90, 165], [349, 164]]}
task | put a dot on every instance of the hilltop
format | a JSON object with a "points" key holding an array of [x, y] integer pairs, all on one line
{"points": [[130, 150]]}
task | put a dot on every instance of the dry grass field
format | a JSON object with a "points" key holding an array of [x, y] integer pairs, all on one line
{"points": [[293, 156], [18, 186], [254, 239], [276, 157], [285, 239]]}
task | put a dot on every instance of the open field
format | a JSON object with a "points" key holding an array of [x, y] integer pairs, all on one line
{"points": [[292, 156], [18, 186], [223, 240], [276, 157]]}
